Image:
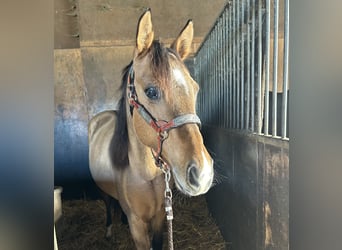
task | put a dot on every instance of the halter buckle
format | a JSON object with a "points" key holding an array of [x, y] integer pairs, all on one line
{"points": [[132, 96], [163, 135]]}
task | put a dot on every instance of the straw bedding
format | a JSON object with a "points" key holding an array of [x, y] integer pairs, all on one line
{"points": [[82, 226]]}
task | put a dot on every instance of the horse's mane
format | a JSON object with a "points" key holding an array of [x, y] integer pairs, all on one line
{"points": [[160, 67], [119, 145]]}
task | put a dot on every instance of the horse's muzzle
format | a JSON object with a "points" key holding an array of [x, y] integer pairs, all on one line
{"points": [[197, 181]]}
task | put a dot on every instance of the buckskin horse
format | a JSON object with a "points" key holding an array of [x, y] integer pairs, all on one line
{"points": [[155, 125]]}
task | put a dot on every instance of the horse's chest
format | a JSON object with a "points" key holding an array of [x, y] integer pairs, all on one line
{"points": [[144, 197]]}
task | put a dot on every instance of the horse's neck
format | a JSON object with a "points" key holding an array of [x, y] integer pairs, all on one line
{"points": [[140, 156]]}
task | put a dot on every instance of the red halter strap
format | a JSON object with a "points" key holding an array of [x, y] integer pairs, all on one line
{"points": [[160, 126]]}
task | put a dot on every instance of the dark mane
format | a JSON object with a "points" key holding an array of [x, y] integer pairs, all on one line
{"points": [[119, 145], [160, 68]]}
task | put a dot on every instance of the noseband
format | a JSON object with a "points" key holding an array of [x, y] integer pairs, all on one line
{"points": [[160, 126]]}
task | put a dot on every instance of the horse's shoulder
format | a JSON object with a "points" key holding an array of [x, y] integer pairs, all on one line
{"points": [[100, 119]]}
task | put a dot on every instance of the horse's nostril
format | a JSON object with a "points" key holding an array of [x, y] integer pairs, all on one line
{"points": [[193, 175]]}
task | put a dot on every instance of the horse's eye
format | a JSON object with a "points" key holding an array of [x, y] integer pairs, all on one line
{"points": [[152, 93]]}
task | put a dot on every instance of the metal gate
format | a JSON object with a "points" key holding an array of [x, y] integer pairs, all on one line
{"points": [[242, 68]]}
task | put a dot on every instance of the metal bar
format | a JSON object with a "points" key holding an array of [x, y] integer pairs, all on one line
{"points": [[227, 30], [207, 83], [201, 82], [199, 78], [211, 82], [196, 79], [238, 65], [235, 58], [248, 90], [216, 111], [252, 66], [234, 65], [214, 70], [267, 67], [275, 67], [205, 86], [199, 72], [286, 65], [224, 69], [220, 73], [230, 68], [259, 95], [242, 82], [217, 62]]}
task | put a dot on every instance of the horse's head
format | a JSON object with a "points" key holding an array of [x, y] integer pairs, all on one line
{"points": [[165, 89]]}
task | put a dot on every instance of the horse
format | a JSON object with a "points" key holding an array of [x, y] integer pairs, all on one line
{"points": [[154, 130]]}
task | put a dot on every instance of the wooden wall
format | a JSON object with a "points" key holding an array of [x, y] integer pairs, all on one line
{"points": [[251, 200]]}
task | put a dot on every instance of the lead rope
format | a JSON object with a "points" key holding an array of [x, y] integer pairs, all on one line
{"points": [[167, 193], [168, 206]]}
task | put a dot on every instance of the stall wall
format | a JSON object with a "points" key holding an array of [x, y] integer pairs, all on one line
{"points": [[250, 199], [87, 81]]}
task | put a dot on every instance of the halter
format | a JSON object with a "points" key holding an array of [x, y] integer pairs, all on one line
{"points": [[160, 126]]}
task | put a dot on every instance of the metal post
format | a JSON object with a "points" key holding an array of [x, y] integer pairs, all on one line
{"points": [[205, 77], [267, 67], [211, 82], [285, 73], [230, 68], [248, 90], [259, 95], [214, 70], [217, 79], [275, 68], [242, 97], [224, 69], [238, 64], [252, 68], [234, 65]]}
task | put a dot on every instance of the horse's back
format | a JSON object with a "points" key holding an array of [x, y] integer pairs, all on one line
{"points": [[100, 134]]}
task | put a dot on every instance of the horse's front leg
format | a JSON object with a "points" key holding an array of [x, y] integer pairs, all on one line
{"points": [[158, 226], [139, 231]]}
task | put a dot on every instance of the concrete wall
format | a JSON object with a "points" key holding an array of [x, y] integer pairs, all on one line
{"points": [[113, 22], [250, 202], [86, 82]]}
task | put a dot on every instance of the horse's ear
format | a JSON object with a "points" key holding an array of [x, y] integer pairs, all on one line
{"points": [[182, 44], [145, 33]]}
